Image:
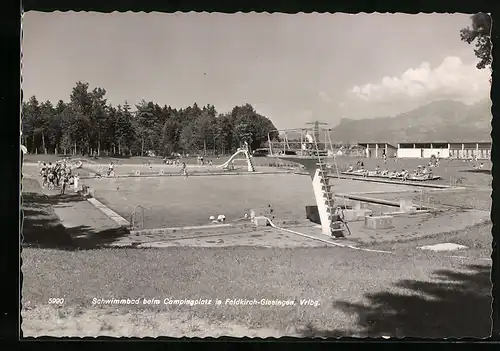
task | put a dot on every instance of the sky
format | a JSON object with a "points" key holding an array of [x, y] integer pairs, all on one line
{"points": [[292, 68]]}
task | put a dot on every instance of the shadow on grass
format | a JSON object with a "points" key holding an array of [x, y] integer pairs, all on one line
{"points": [[42, 228], [454, 304]]}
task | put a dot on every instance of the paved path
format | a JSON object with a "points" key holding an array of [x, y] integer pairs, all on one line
{"points": [[84, 216], [79, 217]]}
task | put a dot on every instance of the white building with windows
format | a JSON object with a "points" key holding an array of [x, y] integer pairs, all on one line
{"points": [[465, 150]]}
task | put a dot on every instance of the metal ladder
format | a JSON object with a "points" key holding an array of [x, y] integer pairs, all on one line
{"points": [[337, 225], [250, 162], [133, 218], [249, 158]]}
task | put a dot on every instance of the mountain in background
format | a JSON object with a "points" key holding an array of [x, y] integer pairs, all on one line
{"points": [[445, 121]]}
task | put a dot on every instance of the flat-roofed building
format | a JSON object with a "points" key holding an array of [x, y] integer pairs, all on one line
{"points": [[377, 150], [481, 150]]}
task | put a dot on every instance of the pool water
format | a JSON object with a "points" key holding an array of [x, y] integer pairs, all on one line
{"points": [[179, 201]]}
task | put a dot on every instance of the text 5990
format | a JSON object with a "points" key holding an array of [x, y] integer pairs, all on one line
{"points": [[56, 301]]}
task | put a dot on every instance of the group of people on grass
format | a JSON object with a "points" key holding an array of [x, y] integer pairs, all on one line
{"points": [[478, 166], [58, 175], [176, 162], [202, 162], [420, 171], [220, 219]]}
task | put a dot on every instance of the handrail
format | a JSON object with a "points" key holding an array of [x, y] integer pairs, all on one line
{"points": [[136, 213]]}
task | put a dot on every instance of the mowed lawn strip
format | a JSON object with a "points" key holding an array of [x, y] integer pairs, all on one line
{"points": [[399, 295], [476, 238]]}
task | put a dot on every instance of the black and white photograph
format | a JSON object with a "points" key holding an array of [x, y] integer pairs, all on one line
{"points": [[256, 175]]}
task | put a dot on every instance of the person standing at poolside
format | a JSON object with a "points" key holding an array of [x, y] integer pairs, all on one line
{"points": [[111, 169], [75, 182], [64, 183], [184, 169]]}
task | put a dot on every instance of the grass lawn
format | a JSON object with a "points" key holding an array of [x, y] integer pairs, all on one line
{"points": [[139, 160], [477, 239], [359, 293]]}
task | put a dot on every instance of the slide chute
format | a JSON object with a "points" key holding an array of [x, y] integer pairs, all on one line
{"points": [[248, 157]]}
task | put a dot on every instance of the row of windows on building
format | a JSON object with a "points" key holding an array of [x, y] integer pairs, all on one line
{"points": [[480, 150]]}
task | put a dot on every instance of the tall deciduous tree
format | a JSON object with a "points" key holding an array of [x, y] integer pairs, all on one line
{"points": [[31, 118], [124, 129]]}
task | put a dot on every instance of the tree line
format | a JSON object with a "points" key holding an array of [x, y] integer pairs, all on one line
{"points": [[88, 124]]}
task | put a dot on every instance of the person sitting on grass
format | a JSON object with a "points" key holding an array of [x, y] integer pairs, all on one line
{"points": [[377, 170], [424, 172], [221, 218], [405, 175], [350, 168], [385, 172]]}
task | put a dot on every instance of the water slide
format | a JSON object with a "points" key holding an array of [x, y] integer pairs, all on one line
{"points": [[247, 156]]}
